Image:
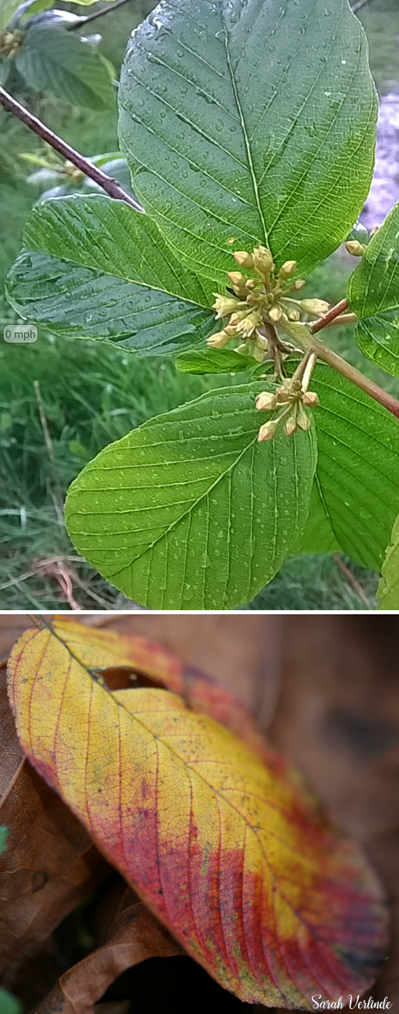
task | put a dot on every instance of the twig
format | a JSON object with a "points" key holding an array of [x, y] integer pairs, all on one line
{"points": [[111, 187], [360, 3], [358, 378], [352, 580], [343, 320], [98, 14], [304, 337], [58, 497], [327, 318]]}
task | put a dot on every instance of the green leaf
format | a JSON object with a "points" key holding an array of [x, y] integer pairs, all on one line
{"points": [[373, 294], [189, 511], [388, 588], [5, 67], [357, 473], [378, 339], [318, 535], [8, 1003], [96, 268], [7, 10], [3, 838], [214, 361], [253, 120], [54, 60]]}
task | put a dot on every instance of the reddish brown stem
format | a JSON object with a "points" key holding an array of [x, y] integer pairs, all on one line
{"points": [[335, 311], [98, 14], [111, 187]]}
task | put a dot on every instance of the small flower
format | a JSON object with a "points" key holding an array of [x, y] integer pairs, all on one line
{"points": [[248, 324], [225, 305], [262, 260], [275, 313], [266, 401], [315, 306], [268, 430], [238, 282], [287, 270], [244, 259], [219, 340], [355, 248], [311, 399], [304, 421], [236, 318], [290, 426]]}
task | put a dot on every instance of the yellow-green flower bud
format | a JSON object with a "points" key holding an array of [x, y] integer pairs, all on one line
{"points": [[248, 325], [283, 393], [355, 248], [268, 430], [287, 270], [299, 283], [266, 401], [262, 260], [238, 282], [315, 306], [236, 318], [290, 426], [262, 342], [275, 313], [311, 399], [294, 315], [304, 420], [225, 305], [244, 259], [219, 340]]}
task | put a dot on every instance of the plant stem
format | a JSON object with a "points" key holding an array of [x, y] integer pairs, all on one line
{"points": [[111, 187], [359, 4], [328, 317], [98, 14], [343, 320], [358, 378], [304, 338]]}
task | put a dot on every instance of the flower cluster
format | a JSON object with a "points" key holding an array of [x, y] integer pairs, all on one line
{"points": [[293, 400], [10, 43], [261, 300]]}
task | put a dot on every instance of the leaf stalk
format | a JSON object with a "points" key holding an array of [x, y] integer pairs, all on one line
{"points": [[97, 14]]}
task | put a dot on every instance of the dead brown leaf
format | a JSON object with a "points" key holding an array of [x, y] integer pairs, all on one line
{"points": [[50, 863], [133, 937]]}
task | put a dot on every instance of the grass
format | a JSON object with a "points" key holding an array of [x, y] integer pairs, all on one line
{"points": [[93, 394]]}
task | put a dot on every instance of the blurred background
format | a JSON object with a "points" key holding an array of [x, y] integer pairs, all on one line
{"points": [[325, 691], [60, 402]]}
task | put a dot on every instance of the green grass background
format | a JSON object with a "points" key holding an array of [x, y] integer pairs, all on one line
{"points": [[93, 394]]}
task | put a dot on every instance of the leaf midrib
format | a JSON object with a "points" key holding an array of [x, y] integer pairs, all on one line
{"points": [[100, 272]]}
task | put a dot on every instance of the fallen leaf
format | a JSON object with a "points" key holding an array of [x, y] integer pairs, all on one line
{"points": [[50, 862], [133, 937], [244, 657], [232, 855], [142, 655]]}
